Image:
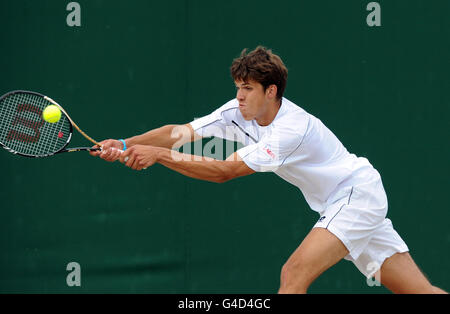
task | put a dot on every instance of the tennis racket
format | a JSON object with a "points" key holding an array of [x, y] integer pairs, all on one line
{"points": [[24, 132]]}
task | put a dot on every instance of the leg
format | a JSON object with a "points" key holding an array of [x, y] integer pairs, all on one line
{"points": [[400, 274], [319, 251]]}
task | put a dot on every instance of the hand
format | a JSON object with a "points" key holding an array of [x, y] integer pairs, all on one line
{"points": [[139, 157], [111, 150]]}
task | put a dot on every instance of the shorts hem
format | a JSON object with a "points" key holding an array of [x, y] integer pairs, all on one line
{"points": [[382, 258], [340, 236]]}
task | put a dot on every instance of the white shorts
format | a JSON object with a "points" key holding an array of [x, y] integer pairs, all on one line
{"points": [[356, 214]]}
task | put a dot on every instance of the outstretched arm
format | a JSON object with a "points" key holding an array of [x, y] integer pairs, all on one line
{"points": [[168, 136], [204, 168]]}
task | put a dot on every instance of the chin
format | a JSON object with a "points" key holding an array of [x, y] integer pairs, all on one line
{"points": [[246, 117]]}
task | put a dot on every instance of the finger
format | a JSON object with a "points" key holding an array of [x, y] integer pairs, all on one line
{"points": [[136, 164], [101, 146], [95, 153], [109, 155], [107, 144], [116, 154], [124, 155], [130, 161], [104, 154], [145, 164], [141, 165]]}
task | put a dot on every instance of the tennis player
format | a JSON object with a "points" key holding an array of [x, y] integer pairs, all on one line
{"points": [[281, 137]]}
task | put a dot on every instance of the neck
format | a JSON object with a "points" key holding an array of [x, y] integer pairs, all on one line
{"points": [[270, 113]]}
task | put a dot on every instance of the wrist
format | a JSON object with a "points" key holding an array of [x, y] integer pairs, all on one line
{"points": [[124, 144], [160, 151]]}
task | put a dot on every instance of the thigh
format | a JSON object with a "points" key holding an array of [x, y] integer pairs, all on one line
{"points": [[319, 251], [400, 274]]}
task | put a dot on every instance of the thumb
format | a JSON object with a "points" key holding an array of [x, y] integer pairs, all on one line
{"points": [[95, 152]]}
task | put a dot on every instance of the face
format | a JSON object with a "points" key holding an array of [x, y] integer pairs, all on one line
{"points": [[253, 101]]}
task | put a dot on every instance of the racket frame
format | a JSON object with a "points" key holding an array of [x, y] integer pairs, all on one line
{"points": [[72, 124]]}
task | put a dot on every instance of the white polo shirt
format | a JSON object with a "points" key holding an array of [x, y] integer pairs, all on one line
{"points": [[296, 146]]}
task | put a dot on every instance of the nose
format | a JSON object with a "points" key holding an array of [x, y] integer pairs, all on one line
{"points": [[240, 95]]}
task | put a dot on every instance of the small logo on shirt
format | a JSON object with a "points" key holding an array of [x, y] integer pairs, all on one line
{"points": [[322, 218], [269, 152]]}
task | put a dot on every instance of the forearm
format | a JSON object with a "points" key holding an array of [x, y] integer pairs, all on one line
{"points": [[140, 157], [168, 136], [197, 167]]}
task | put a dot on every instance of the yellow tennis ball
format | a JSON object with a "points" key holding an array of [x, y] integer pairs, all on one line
{"points": [[51, 114]]}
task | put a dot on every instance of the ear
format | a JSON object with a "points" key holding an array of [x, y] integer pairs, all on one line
{"points": [[271, 91]]}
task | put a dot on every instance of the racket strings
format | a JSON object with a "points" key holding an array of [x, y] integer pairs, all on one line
{"points": [[23, 130]]}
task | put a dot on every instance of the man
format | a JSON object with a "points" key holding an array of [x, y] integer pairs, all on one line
{"points": [[281, 137]]}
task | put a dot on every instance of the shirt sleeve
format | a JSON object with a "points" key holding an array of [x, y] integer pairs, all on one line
{"points": [[218, 123]]}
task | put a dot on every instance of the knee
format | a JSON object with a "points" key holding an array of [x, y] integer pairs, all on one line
{"points": [[285, 275], [292, 281]]}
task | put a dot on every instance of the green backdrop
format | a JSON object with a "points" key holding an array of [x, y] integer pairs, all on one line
{"points": [[135, 65]]}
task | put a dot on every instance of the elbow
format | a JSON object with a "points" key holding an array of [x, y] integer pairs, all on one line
{"points": [[221, 179], [224, 177], [224, 172]]}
